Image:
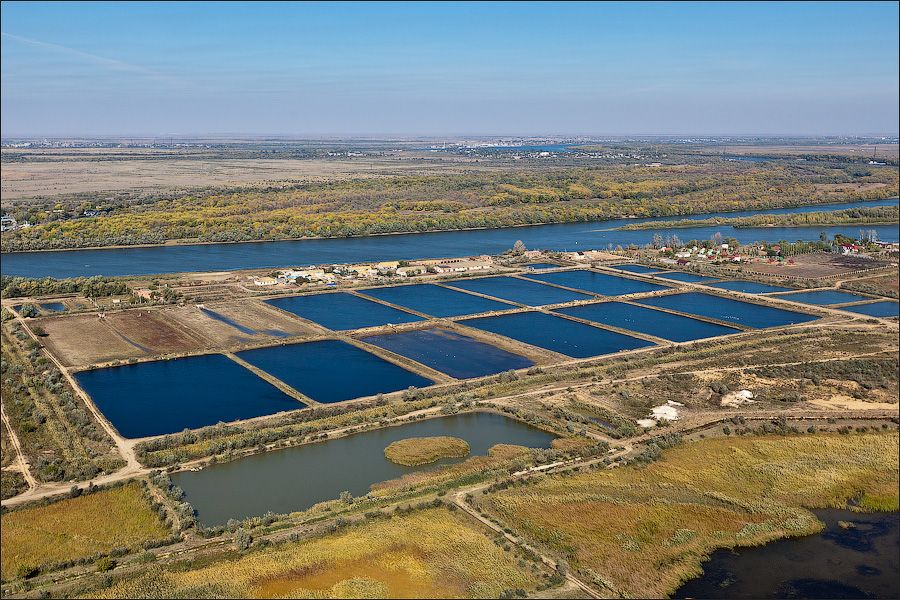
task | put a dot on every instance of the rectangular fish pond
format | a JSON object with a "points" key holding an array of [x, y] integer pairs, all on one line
{"points": [[435, 300], [340, 310], [749, 287], [636, 269], [884, 309], [525, 292], [686, 277], [557, 334], [450, 352], [294, 479], [53, 307], [166, 396], [598, 283], [727, 309], [647, 320], [331, 371], [822, 297]]}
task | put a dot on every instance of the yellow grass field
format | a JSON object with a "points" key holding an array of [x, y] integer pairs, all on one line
{"points": [[646, 529], [432, 553], [77, 527], [424, 450]]}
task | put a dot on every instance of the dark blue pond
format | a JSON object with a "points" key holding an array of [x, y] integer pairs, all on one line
{"points": [[167, 396], [435, 300], [456, 355], [822, 297], [636, 269], [883, 309], [332, 371], [519, 290], [859, 561], [557, 334], [749, 287], [686, 277], [646, 320], [599, 283], [294, 479], [566, 236], [342, 311], [53, 306], [726, 309]]}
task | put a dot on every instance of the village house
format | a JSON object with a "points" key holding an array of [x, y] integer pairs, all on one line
{"points": [[265, 281], [411, 270], [462, 266]]}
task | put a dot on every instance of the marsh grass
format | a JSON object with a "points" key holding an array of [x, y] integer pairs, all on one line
{"points": [[424, 450], [649, 528], [432, 553], [74, 528]]}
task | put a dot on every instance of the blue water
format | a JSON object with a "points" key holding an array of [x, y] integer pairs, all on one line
{"points": [[294, 479], [456, 355], [555, 333], [686, 277], [518, 290], [435, 300], [636, 269], [167, 396], [53, 306], [223, 319], [565, 236], [599, 283], [331, 370], [726, 309], [538, 266], [646, 320], [749, 287], [822, 297], [876, 309], [342, 311]]}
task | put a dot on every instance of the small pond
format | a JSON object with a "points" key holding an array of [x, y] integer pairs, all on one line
{"points": [[859, 561], [294, 479]]}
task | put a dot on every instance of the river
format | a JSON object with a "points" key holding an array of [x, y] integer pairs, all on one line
{"points": [[563, 236]]}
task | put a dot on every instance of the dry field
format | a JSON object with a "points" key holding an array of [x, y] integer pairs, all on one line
{"points": [[850, 150], [153, 332], [813, 266], [260, 322], [76, 528], [82, 340], [431, 553], [885, 285], [69, 172], [646, 529]]}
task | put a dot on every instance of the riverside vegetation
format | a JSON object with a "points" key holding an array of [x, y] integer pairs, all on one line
{"points": [[410, 203], [879, 215]]}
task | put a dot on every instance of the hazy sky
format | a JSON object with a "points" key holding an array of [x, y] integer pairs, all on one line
{"points": [[433, 69]]}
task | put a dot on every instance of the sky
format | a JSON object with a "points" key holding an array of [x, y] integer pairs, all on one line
{"points": [[441, 69]]}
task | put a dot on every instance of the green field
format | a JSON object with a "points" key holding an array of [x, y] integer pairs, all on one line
{"points": [[76, 528]]}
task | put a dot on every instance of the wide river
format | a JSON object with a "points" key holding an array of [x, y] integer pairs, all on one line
{"points": [[564, 236]]}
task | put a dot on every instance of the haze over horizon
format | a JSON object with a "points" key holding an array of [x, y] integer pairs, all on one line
{"points": [[397, 70]]}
